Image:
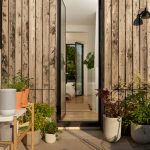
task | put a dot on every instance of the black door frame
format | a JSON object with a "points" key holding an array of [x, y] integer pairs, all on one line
{"points": [[101, 63]]}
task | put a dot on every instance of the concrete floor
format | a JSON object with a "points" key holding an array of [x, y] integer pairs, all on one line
{"points": [[87, 140]]}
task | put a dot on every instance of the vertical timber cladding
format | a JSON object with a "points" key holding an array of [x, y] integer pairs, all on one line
{"points": [[127, 45], [29, 45]]}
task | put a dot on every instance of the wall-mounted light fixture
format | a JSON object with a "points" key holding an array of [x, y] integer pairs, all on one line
{"points": [[144, 14]]}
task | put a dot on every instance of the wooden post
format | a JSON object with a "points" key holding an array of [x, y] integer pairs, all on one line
{"points": [[15, 132], [32, 128]]}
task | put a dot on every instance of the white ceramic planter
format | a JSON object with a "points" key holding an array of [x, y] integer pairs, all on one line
{"points": [[7, 101], [140, 133], [112, 128], [50, 138]]}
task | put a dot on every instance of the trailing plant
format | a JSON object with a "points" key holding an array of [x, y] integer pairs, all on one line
{"points": [[89, 61], [112, 106]]}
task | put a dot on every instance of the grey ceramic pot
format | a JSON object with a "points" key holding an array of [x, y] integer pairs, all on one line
{"points": [[7, 102]]}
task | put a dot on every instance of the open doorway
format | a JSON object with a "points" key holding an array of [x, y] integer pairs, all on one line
{"points": [[81, 68]]}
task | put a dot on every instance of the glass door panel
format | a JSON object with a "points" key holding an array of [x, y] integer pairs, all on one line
{"points": [[79, 69], [63, 57]]}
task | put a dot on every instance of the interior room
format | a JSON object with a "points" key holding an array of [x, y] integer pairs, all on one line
{"points": [[81, 57]]}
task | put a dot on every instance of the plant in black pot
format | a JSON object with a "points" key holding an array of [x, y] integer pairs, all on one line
{"points": [[113, 112]]}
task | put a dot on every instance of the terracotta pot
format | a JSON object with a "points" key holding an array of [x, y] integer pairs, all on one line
{"points": [[18, 100], [25, 95]]}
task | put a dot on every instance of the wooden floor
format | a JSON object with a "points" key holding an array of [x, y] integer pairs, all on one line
{"points": [[79, 109]]}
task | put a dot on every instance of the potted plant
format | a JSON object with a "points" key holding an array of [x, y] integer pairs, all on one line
{"points": [[43, 113], [89, 61], [113, 112], [21, 84], [50, 131], [138, 105]]}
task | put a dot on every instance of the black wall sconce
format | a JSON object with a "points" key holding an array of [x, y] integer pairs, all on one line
{"points": [[142, 14]]}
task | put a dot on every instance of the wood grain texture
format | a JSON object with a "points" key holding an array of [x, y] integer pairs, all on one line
{"points": [[148, 44], [32, 56], [5, 41], [11, 37], [115, 41], [46, 47], [143, 44], [29, 44], [52, 44], [39, 50], [136, 44], [122, 46], [18, 37], [108, 46], [25, 37], [129, 46]]}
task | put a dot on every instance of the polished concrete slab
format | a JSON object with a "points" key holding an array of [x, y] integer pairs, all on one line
{"points": [[87, 140], [84, 140]]}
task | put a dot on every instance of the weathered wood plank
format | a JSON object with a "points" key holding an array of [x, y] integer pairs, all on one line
{"points": [[18, 38], [12, 21], [115, 41], [25, 37], [129, 54], [143, 45], [32, 47], [122, 47], [107, 41], [4, 61], [136, 34], [39, 95], [52, 44], [148, 44], [39, 50], [46, 47]]}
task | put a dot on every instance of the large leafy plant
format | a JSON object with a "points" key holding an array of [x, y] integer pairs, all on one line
{"points": [[89, 61], [138, 107], [112, 106]]}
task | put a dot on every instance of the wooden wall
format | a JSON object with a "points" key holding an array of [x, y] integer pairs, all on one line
{"points": [[126, 43], [29, 45]]}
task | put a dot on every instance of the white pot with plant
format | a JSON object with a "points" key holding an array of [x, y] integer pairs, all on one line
{"points": [[139, 112], [50, 131], [112, 118]]}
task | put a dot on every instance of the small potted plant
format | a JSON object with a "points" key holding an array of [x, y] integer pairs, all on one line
{"points": [[112, 117], [50, 131], [43, 113]]}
